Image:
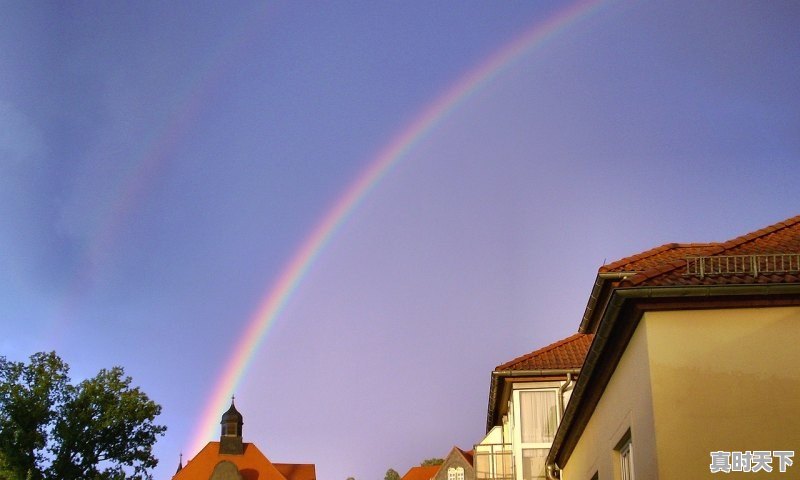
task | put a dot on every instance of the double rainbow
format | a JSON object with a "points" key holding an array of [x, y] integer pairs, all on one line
{"points": [[280, 292]]}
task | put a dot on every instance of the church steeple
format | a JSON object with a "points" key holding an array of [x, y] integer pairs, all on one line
{"points": [[230, 440]]}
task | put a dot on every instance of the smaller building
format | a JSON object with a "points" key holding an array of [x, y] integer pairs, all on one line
{"points": [[233, 459], [527, 397], [456, 466]]}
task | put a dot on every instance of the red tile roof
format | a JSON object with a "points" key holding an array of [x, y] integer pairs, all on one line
{"points": [[468, 455], [421, 473], [566, 353], [656, 256], [252, 465], [297, 471], [667, 265]]}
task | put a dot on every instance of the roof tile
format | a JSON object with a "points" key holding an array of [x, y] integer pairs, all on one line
{"points": [[566, 353], [253, 465], [421, 473], [666, 265]]}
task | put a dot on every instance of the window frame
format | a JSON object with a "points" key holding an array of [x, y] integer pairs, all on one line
{"points": [[517, 417], [624, 457]]}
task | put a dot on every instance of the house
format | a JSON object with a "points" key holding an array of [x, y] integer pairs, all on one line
{"points": [[693, 369], [457, 465], [527, 396], [233, 459]]}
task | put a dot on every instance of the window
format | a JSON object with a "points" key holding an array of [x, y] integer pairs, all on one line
{"points": [[538, 410], [538, 414], [625, 455], [455, 473], [533, 463], [494, 462]]}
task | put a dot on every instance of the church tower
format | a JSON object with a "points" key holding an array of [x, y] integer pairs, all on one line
{"points": [[230, 440]]}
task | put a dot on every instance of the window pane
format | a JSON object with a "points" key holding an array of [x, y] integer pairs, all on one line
{"points": [[538, 412], [626, 462], [504, 465], [533, 463]]}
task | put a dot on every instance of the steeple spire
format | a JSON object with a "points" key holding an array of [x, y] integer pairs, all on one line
{"points": [[180, 464], [230, 441]]}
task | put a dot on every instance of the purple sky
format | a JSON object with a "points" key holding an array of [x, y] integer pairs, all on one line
{"points": [[160, 163]]}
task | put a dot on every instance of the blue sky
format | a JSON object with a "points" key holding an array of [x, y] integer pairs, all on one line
{"points": [[160, 163]]}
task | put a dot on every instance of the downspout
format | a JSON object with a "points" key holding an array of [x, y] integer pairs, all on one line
{"points": [[551, 470], [561, 390], [553, 473]]}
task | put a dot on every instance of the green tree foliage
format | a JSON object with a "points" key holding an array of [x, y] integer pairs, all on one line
{"points": [[430, 462], [391, 474], [101, 428]]}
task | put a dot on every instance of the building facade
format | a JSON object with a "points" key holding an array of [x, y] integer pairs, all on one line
{"points": [[693, 370]]}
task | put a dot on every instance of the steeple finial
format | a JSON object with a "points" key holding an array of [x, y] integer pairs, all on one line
{"points": [[180, 463]]}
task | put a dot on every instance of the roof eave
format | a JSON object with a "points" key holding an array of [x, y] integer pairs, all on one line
{"points": [[497, 375], [598, 293]]}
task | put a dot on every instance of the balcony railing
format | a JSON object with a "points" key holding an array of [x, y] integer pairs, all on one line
{"points": [[743, 264], [493, 462]]}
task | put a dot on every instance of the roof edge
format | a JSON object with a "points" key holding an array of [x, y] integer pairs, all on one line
{"points": [[714, 249], [564, 341]]}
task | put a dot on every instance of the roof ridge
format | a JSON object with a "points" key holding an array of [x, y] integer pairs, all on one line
{"points": [[715, 249], [543, 350], [749, 237]]}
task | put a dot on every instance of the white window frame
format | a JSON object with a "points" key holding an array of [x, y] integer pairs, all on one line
{"points": [[625, 458], [517, 445], [455, 473]]}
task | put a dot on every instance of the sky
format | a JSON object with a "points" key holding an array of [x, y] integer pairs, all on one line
{"points": [[163, 165]]}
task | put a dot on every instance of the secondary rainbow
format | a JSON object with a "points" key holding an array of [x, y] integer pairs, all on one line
{"points": [[281, 291]]}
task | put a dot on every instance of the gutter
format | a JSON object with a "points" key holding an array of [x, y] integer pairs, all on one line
{"points": [[601, 280], [577, 415]]}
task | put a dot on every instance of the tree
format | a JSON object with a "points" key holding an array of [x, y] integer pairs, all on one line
{"points": [[101, 428], [391, 474], [430, 462]]}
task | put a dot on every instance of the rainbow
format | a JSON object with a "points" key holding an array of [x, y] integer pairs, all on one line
{"points": [[186, 107], [281, 291]]}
